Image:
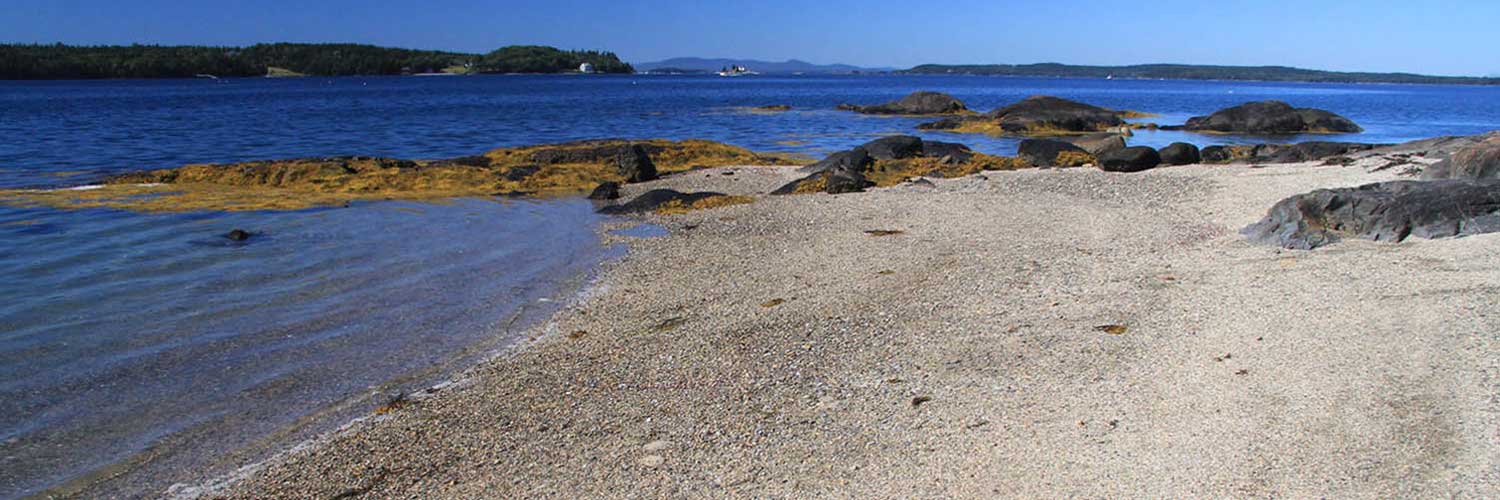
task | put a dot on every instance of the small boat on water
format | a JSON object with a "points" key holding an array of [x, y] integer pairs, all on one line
{"points": [[736, 70]]}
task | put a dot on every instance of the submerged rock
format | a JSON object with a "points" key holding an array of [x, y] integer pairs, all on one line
{"points": [[1036, 115], [1048, 153], [238, 235], [1384, 211], [1131, 159], [1479, 161], [1269, 117], [1180, 153], [917, 103], [606, 191]]}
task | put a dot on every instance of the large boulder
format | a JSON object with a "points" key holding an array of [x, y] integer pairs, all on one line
{"points": [[894, 147], [1097, 144], [635, 164], [1036, 115], [1270, 118], [1480, 161], [605, 191], [1131, 159], [1384, 211], [857, 159], [952, 150], [654, 199], [1180, 153], [1045, 153], [917, 103]]}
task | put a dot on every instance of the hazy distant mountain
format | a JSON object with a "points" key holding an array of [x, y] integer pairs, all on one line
{"points": [[789, 66]]}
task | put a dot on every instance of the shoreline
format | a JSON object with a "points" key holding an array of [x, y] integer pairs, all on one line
{"points": [[777, 349]]}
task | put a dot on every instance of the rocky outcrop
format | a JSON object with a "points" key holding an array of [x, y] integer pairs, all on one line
{"points": [[888, 161], [1269, 118], [1180, 153], [1479, 161], [1050, 153], [774, 108], [656, 199], [1282, 153], [1097, 144], [917, 103], [1036, 115], [1131, 159], [1385, 211]]}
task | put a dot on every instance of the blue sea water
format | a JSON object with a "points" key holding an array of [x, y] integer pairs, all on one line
{"points": [[149, 348]]}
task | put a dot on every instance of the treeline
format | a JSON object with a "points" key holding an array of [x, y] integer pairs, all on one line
{"points": [[39, 62], [1193, 72], [538, 59]]}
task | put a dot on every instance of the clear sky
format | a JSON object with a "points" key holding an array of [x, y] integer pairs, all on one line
{"points": [[1455, 37]]}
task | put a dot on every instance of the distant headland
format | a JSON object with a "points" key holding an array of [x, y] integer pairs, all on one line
{"points": [[53, 62], [1193, 72]]}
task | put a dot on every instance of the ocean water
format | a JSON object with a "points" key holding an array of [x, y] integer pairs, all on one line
{"points": [[145, 349]]}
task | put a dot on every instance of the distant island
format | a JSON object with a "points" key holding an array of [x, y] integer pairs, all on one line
{"points": [[1192, 72], [693, 65], [53, 62]]}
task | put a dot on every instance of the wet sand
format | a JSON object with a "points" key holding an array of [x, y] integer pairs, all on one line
{"points": [[1039, 333]]}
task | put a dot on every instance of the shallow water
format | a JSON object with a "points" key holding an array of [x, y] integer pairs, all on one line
{"points": [[134, 331], [126, 337]]}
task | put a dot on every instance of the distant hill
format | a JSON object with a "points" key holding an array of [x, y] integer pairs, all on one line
{"points": [[684, 64], [44, 62], [1192, 72]]}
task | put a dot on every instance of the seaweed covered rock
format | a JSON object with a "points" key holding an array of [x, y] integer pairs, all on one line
{"points": [[659, 199], [1036, 115], [1049, 153], [1384, 211], [1270, 118], [1131, 159], [895, 159], [1282, 153], [1180, 153], [1480, 161], [542, 170], [917, 103]]}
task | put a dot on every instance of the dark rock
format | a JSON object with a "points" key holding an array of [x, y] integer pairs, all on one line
{"points": [[857, 159], [1480, 161], [653, 199], [635, 165], [1312, 151], [237, 235], [1180, 153], [477, 161], [1385, 211], [1270, 117], [894, 147], [606, 191], [955, 152], [918, 103], [1043, 152], [1097, 144], [1216, 154], [1131, 159], [1053, 114]]}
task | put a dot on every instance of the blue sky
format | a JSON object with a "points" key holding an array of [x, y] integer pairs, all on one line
{"points": [[1436, 37]]}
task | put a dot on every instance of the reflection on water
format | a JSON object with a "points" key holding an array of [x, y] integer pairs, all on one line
{"points": [[124, 331]]}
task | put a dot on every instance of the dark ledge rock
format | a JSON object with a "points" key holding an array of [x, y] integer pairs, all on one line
{"points": [[1384, 211]]}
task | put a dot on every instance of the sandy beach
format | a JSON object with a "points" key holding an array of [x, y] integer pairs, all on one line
{"points": [[1033, 333]]}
